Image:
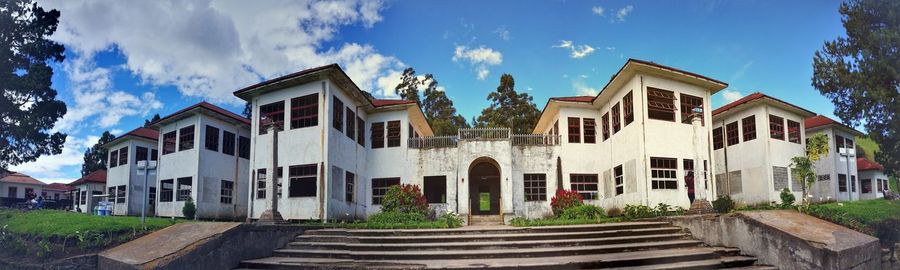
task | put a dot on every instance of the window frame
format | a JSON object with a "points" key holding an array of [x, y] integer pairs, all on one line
{"points": [[305, 111], [794, 133], [337, 117], [430, 183], [261, 192], [170, 144], [121, 194], [616, 119], [732, 134], [360, 131], [688, 102], [628, 108], [776, 128], [123, 155], [748, 128], [138, 156], [718, 137], [349, 186], [605, 121], [661, 104], [535, 187], [574, 129], [378, 135], [211, 142], [380, 187], [273, 111], [663, 173], [167, 194], [590, 130], [303, 175], [351, 123], [186, 138], [243, 147], [842, 182], [583, 183], [226, 192], [394, 132], [181, 193], [228, 145], [619, 180], [113, 158]]}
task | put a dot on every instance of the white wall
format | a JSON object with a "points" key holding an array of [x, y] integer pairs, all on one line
{"points": [[832, 165], [127, 174]]}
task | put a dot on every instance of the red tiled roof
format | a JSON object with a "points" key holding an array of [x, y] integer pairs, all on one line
{"points": [[864, 164], [285, 77], [752, 97], [587, 99], [59, 186], [821, 120], [98, 176], [212, 108], [389, 102], [21, 178], [147, 133]]}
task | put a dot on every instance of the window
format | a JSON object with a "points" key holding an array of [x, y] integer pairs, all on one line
{"points": [[186, 138], [688, 165], [688, 103], [83, 197], [302, 180], [535, 187], [228, 143], [338, 110], [360, 131], [274, 112], [823, 177], [151, 198], [731, 132], [616, 122], [140, 154], [585, 185], [111, 192], [662, 173], [154, 155], [660, 104], [865, 185], [349, 184], [261, 183], [776, 127], [184, 188], [169, 143], [13, 192], [120, 194], [226, 190], [620, 180], [853, 183], [605, 126], [842, 182], [351, 124], [556, 132], [436, 189], [244, 147], [305, 111], [590, 130], [718, 140], [838, 142], [378, 135], [412, 132], [574, 130], [380, 187], [114, 158], [393, 136], [847, 143], [748, 124], [793, 131], [123, 156], [628, 107], [212, 138]]}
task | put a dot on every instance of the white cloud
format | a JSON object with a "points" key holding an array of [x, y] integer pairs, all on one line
{"points": [[210, 48], [479, 58], [576, 51], [597, 10], [49, 167], [583, 89], [740, 72], [731, 95], [622, 13], [502, 32]]}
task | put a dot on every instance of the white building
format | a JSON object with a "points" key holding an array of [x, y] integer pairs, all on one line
{"points": [[754, 139], [88, 191], [18, 187], [57, 192], [633, 143], [124, 182], [836, 175], [205, 152], [872, 179]]}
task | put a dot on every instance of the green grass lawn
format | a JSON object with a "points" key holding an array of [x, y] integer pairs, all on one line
{"points": [[859, 215], [54, 223]]}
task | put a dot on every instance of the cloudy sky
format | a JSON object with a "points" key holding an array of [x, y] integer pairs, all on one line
{"points": [[128, 60]]}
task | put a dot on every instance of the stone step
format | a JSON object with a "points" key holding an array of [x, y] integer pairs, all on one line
{"points": [[604, 260], [486, 244], [539, 235], [491, 229], [754, 267], [480, 220], [484, 254], [738, 261]]}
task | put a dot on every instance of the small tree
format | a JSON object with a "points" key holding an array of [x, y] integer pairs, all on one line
{"points": [[804, 168], [189, 209], [565, 199], [404, 198]]}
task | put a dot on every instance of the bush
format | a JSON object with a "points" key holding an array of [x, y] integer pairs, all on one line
{"points": [[189, 209], [565, 199], [723, 204], [638, 211], [404, 198], [662, 209], [787, 199], [451, 219], [584, 211], [397, 217], [614, 212]]}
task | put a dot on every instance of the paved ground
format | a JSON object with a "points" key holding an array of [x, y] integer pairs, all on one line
{"points": [[175, 239], [810, 228]]}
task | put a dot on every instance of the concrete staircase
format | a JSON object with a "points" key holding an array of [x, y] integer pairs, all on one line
{"points": [[485, 220], [630, 245]]}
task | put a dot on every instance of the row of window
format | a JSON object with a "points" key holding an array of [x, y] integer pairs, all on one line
{"points": [[305, 113], [378, 134], [78, 196], [178, 189], [120, 156], [843, 142], [117, 194], [731, 134], [661, 105], [185, 137]]}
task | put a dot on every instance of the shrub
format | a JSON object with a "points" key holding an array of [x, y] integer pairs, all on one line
{"points": [[451, 219], [404, 198], [787, 199], [189, 209], [614, 212], [584, 211], [662, 209], [397, 217], [723, 204], [679, 211], [565, 199], [638, 211]]}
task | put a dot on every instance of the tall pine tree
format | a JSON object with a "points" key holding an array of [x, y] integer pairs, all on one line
{"points": [[28, 106], [438, 108], [95, 157], [150, 121], [509, 108]]}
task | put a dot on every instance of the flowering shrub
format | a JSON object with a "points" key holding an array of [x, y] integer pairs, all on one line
{"points": [[404, 198], [565, 199]]}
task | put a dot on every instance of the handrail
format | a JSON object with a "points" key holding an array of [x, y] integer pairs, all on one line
{"points": [[535, 139], [479, 134], [484, 133], [433, 142]]}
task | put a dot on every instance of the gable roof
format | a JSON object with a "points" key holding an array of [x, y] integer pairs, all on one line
{"points": [[58, 186], [390, 102], [864, 164], [141, 132], [203, 105], [20, 178], [586, 99], [98, 176], [821, 121], [757, 96]]}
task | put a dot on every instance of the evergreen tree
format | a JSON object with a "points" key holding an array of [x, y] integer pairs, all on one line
{"points": [[28, 106], [248, 110], [437, 107], [509, 109], [150, 121], [95, 157], [408, 88], [860, 73]]}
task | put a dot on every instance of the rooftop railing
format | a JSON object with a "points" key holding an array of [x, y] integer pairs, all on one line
{"points": [[483, 134]]}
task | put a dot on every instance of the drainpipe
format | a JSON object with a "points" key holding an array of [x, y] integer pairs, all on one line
{"points": [[725, 149], [234, 188], [644, 145], [323, 144], [252, 186]]}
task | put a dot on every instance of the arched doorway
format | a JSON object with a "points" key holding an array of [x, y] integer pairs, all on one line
{"points": [[484, 186]]}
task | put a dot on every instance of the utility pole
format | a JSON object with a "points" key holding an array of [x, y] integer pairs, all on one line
{"points": [[145, 167], [271, 215]]}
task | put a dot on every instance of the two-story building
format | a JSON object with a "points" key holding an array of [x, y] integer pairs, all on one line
{"points": [[88, 191], [639, 141], [754, 139], [836, 173], [124, 180], [205, 158], [873, 182]]}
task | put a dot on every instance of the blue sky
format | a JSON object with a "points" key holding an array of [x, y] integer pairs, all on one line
{"points": [[125, 63]]}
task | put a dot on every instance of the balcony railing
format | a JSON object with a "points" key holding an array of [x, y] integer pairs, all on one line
{"points": [[484, 133], [433, 142], [535, 139], [481, 134]]}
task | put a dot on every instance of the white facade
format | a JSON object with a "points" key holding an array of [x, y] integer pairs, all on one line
{"points": [[84, 199], [124, 183], [872, 184], [203, 161], [836, 173]]}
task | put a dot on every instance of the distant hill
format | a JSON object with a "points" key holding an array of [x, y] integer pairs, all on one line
{"points": [[869, 146]]}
